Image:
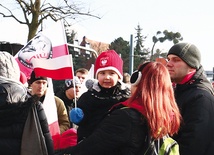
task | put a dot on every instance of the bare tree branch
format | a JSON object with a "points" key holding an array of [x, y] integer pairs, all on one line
{"points": [[10, 15], [35, 13]]}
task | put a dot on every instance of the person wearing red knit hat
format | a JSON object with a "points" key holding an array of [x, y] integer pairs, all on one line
{"points": [[151, 111], [109, 60], [104, 92]]}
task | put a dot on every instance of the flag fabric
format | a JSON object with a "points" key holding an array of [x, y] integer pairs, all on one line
{"points": [[56, 33], [45, 48], [59, 68], [50, 109], [38, 47], [49, 106], [91, 72], [48, 44], [67, 138]]}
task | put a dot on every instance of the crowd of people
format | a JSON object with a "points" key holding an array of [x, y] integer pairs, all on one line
{"points": [[117, 112]]}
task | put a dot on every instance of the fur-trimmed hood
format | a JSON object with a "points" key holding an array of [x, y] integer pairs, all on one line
{"points": [[9, 68]]}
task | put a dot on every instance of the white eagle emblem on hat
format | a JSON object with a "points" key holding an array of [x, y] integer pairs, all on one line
{"points": [[104, 62]]}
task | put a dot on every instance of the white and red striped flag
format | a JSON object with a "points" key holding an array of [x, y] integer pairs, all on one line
{"points": [[50, 109], [59, 68], [56, 33], [39, 47], [48, 44]]}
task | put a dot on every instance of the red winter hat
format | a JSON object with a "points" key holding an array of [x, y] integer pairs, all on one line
{"points": [[109, 60]]}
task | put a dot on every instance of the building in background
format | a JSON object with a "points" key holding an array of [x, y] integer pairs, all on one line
{"points": [[12, 48]]}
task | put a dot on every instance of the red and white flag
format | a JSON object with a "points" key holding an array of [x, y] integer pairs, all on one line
{"points": [[49, 106], [39, 47], [56, 33], [48, 44], [45, 48], [59, 68]]}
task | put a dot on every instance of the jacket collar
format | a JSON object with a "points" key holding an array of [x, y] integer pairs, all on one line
{"points": [[135, 105], [198, 79]]}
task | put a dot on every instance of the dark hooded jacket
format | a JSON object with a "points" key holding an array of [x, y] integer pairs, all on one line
{"points": [[95, 103], [122, 132], [14, 107], [15, 104], [196, 102]]}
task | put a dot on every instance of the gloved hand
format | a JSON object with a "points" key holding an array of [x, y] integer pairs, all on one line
{"points": [[76, 115]]}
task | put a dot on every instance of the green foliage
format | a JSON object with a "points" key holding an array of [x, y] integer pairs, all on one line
{"points": [[139, 41], [158, 54], [70, 35], [140, 53], [166, 35], [122, 47], [58, 85]]}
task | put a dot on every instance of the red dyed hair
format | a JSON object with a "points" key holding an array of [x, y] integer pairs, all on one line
{"points": [[157, 97]]}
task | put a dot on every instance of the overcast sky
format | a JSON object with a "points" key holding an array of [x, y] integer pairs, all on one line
{"points": [[192, 18]]}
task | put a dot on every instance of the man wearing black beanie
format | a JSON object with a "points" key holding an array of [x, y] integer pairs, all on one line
{"points": [[38, 87], [194, 96]]}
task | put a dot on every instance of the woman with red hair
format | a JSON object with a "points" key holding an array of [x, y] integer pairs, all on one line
{"points": [[151, 109], [153, 95]]}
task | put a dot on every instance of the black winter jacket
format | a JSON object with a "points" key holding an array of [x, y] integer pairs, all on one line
{"points": [[196, 102], [69, 104], [14, 107], [96, 103], [122, 132]]}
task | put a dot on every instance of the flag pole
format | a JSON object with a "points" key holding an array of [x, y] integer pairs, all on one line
{"points": [[75, 100], [71, 62], [72, 72]]}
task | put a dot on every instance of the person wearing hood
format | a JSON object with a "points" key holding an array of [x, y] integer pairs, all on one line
{"points": [[194, 96], [69, 94], [15, 104], [124, 129]]}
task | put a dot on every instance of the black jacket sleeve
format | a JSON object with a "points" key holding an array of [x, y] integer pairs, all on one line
{"points": [[45, 128]]}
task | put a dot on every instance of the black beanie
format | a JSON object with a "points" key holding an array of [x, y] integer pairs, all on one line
{"points": [[189, 53], [69, 83], [33, 78]]}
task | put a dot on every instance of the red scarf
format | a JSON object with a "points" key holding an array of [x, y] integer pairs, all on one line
{"points": [[139, 107], [135, 105], [187, 77]]}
